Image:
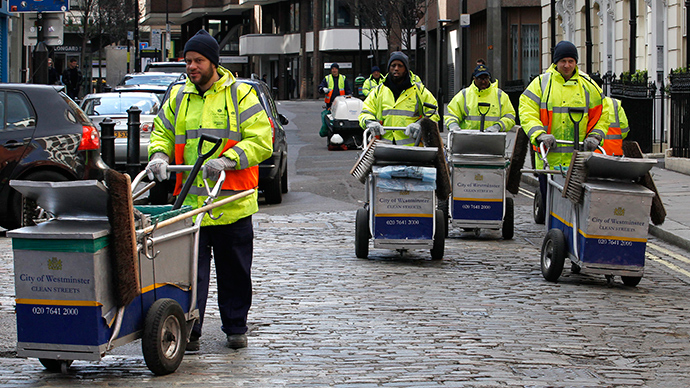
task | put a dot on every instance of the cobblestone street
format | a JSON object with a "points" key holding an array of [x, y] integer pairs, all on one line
{"points": [[482, 317]]}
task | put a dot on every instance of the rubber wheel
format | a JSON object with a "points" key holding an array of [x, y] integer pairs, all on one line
{"points": [[439, 236], [362, 234], [273, 193], [509, 220], [443, 206], [55, 366], [284, 181], [631, 281], [25, 212], [553, 252], [538, 208], [164, 339]]}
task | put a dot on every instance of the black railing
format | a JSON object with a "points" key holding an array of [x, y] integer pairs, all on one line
{"points": [[639, 106], [680, 115], [514, 89]]}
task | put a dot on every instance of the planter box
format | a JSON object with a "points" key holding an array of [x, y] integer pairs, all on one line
{"points": [[680, 83], [619, 90]]}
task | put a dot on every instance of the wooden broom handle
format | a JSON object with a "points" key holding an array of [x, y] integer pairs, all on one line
{"points": [[194, 212]]}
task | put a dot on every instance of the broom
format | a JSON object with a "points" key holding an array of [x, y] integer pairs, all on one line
{"points": [[432, 138], [123, 245], [517, 160], [366, 160], [657, 213], [576, 176]]}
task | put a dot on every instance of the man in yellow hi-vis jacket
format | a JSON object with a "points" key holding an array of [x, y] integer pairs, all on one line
{"points": [[398, 102], [213, 102], [464, 111]]}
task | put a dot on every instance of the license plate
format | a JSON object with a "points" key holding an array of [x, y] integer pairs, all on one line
{"points": [[121, 134]]}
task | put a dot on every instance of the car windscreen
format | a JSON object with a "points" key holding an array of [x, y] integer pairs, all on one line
{"points": [[145, 79], [167, 68], [118, 105]]}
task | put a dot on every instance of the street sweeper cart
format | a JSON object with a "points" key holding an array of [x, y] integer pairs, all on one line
{"points": [[342, 121], [103, 273]]}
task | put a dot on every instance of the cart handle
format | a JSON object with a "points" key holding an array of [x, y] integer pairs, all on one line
{"points": [[416, 141], [197, 166]]}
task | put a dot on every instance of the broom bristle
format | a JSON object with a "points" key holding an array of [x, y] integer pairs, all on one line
{"points": [[123, 244], [366, 160], [517, 160], [658, 212], [576, 176], [432, 138]]}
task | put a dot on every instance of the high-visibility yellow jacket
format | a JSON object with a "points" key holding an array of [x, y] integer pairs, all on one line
{"points": [[382, 106], [370, 83], [618, 127], [231, 111], [544, 107], [331, 85], [464, 109]]}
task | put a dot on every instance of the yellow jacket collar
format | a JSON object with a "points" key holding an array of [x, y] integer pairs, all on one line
{"points": [[226, 79]]}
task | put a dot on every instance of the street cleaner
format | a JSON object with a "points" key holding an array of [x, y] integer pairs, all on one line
{"points": [[212, 102], [545, 110], [482, 105], [397, 102], [332, 86]]}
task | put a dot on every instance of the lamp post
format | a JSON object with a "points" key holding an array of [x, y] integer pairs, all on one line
{"points": [[441, 69], [167, 32]]}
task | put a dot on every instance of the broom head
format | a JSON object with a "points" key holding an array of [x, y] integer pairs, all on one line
{"points": [[657, 213], [517, 160], [432, 138]]}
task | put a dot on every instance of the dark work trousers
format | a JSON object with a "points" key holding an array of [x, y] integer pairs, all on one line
{"points": [[232, 247]]}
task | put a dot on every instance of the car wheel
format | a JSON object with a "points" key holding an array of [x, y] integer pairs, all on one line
{"points": [[273, 192], [553, 253], [25, 212], [284, 180]]}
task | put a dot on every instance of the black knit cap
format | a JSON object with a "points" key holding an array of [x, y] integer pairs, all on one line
{"points": [[564, 49], [337, 66], [400, 56], [204, 44]]}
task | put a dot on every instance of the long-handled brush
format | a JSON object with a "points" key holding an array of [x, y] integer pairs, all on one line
{"points": [[517, 160], [431, 137], [657, 213], [366, 160], [123, 245], [576, 176]]}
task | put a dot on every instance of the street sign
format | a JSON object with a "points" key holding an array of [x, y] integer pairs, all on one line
{"points": [[130, 35], [155, 39], [143, 45], [465, 20], [53, 29], [38, 6]]}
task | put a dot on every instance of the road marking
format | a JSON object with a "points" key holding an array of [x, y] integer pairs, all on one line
{"points": [[526, 193], [669, 253], [666, 263]]}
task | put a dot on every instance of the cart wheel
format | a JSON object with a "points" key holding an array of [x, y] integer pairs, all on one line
{"points": [[553, 252], [439, 236], [509, 220], [574, 268], [55, 365], [164, 340], [362, 233], [538, 208], [443, 205], [631, 281]]}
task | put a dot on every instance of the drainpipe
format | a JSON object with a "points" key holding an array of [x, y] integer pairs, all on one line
{"points": [[633, 35], [588, 36], [553, 25]]}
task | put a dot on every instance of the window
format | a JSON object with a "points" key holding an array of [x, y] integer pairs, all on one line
{"points": [[530, 51], [294, 16], [337, 13], [19, 114]]}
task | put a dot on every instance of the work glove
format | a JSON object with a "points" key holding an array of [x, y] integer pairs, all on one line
{"points": [[453, 127], [158, 167], [591, 143], [325, 90], [412, 130], [548, 140], [211, 169], [494, 128], [375, 128]]}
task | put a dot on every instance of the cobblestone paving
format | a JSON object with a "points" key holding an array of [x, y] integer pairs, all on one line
{"points": [[482, 317]]}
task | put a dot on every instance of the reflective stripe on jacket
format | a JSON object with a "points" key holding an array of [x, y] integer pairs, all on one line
{"points": [[381, 106], [545, 104], [618, 127], [231, 111], [369, 84], [464, 110], [331, 85]]}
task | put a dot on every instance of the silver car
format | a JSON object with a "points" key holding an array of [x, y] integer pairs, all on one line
{"points": [[114, 105]]}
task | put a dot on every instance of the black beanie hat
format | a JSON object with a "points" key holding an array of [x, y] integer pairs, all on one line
{"points": [[204, 44], [335, 65], [400, 56], [564, 49]]}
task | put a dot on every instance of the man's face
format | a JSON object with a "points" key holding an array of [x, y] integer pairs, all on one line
{"points": [[199, 69], [376, 74], [482, 81], [397, 69], [72, 64], [566, 67], [50, 63], [334, 71]]}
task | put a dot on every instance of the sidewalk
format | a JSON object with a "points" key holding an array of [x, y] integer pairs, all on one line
{"points": [[673, 188]]}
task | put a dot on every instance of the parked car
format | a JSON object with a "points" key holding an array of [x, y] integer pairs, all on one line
{"points": [[166, 67], [151, 78], [45, 136], [273, 172], [114, 105]]}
